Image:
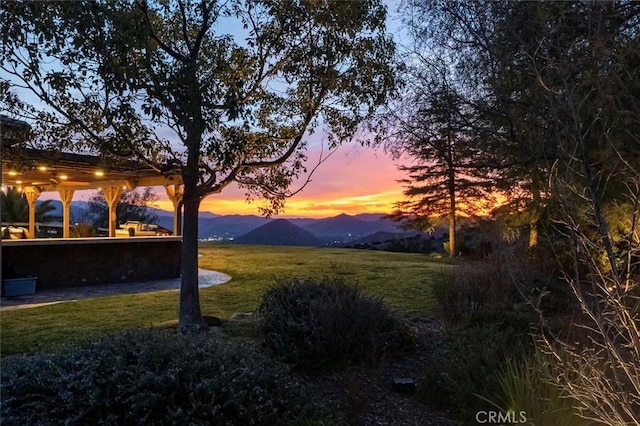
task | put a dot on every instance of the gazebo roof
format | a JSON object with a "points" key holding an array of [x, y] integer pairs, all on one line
{"points": [[54, 170]]}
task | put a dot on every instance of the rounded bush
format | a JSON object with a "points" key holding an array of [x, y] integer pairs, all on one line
{"points": [[150, 377], [328, 324]]}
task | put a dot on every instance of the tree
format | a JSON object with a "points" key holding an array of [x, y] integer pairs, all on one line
{"points": [[445, 181], [118, 76], [15, 209], [432, 124], [133, 205], [558, 84], [508, 134], [585, 59]]}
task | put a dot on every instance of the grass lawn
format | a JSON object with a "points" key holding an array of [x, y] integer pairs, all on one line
{"points": [[401, 279]]}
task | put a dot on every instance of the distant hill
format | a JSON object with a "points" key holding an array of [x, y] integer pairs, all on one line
{"points": [[230, 226], [370, 217], [342, 228], [301, 221], [380, 237], [347, 228], [161, 213], [280, 232], [77, 209], [410, 241], [169, 214], [207, 215], [221, 226]]}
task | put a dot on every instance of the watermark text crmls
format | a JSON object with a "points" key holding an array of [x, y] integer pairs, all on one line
{"points": [[499, 417]]}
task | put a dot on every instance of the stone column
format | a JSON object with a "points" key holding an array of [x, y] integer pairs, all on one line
{"points": [[175, 193], [66, 196], [32, 193], [112, 196]]}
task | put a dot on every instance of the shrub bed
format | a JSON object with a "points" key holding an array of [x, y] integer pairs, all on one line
{"points": [[474, 286], [328, 324], [527, 387], [477, 351], [150, 377]]}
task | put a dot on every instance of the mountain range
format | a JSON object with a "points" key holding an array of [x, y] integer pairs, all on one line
{"points": [[333, 230], [328, 231]]}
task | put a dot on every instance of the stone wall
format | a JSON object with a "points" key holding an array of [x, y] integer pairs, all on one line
{"points": [[59, 263]]}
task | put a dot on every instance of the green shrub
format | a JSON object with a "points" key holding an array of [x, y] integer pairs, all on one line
{"points": [[328, 324], [468, 372], [517, 319], [551, 294], [150, 377], [474, 286], [526, 388], [82, 229]]}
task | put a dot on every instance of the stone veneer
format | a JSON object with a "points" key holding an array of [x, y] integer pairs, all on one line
{"points": [[59, 263]]}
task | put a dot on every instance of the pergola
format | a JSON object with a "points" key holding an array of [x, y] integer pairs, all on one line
{"points": [[37, 171]]}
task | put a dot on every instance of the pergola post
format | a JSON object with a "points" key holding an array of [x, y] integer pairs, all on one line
{"points": [[66, 196], [175, 194], [112, 196], [32, 193]]}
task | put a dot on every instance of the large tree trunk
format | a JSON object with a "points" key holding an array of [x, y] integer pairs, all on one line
{"points": [[452, 207], [533, 222], [533, 233], [452, 222], [452, 234], [190, 314]]}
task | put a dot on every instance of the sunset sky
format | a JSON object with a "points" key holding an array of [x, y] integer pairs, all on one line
{"points": [[353, 180]]}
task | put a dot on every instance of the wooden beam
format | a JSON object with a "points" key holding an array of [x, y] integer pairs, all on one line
{"points": [[66, 196], [175, 194], [112, 196], [32, 193]]}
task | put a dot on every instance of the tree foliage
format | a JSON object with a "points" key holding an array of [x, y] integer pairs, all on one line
{"points": [[15, 208], [434, 125], [445, 182], [556, 87], [217, 91], [549, 84], [133, 205]]}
